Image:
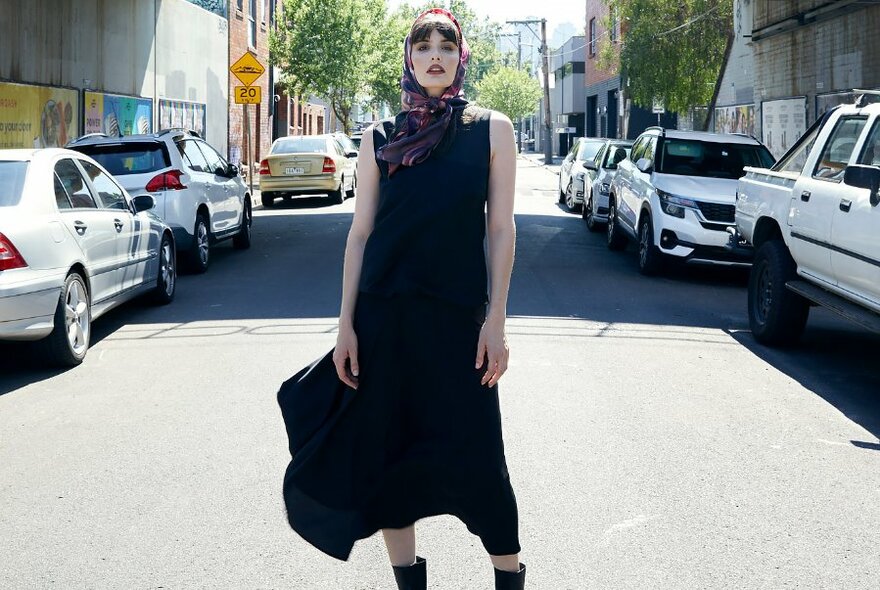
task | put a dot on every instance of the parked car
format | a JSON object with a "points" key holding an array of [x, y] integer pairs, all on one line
{"points": [[198, 193], [582, 151], [675, 197], [347, 142], [73, 245], [595, 193], [308, 164], [814, 219]]}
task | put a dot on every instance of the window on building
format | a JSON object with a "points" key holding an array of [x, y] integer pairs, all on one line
{"points": [[239, 4], [593, 37], [252, 23], [265, 11], [614, 27]]}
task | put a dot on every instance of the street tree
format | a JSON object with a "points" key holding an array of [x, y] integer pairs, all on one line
{"points": [[323, 47], [511, 91], [671, 50]]}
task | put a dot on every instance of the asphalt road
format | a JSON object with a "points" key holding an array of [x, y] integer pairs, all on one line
{"points": [[651, 443]]}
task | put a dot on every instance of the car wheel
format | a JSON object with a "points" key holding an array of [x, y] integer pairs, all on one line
{"points": [[588, 216], [777, 316], [200, 253], [569, 198], [561, 192], [69, 341], [349, 194], [242, 240], [166, 282], [336, 197], [650, 259], [616, 240], [267, 200]]}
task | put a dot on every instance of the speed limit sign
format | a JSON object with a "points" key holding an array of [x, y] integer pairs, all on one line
{"points": [[248, 95]]}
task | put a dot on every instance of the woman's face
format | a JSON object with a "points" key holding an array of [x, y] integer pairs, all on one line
{"points": [[435, 62]]}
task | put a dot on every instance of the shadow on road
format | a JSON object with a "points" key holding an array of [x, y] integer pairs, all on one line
{"points": [[293, 274]]}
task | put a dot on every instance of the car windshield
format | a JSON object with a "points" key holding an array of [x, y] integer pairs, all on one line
{"points": [[610, 156], [588, 150], [301, 146], [128, 158], [689, 157], [12, 175]]}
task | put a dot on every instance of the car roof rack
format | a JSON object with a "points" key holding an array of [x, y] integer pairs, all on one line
{"points": [[86, 136], [162, 132], [863, 95]]}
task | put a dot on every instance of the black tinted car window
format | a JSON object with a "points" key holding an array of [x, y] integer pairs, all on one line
{"points": [[12, 175], [690, 157], [70, 176], [215, 162], [192, 156], [129, 157], [62, 199]]}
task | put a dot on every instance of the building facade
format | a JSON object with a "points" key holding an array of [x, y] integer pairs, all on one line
{"points": [[249, 24], [122, 67], [567, 93], [609, 113]]}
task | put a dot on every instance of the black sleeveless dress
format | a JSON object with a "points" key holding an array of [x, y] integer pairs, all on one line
{"points": [[420, 436]]}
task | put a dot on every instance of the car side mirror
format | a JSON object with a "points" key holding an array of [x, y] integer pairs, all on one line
{"points": [[590, 165], [644, 165], [619, 155], [351, 154], [864, 177], [233, 171], [143, 203]]}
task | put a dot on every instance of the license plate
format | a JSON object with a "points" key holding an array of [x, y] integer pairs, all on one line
{"points": [[296, 170]]}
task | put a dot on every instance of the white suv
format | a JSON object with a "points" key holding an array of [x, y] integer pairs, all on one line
{"points": [[676, 197], [198, 193]]}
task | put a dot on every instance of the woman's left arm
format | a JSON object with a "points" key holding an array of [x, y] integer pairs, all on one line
{"points": [[492, 347]]}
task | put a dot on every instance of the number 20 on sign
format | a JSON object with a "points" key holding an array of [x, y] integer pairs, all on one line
{"points": [[248, 94]]}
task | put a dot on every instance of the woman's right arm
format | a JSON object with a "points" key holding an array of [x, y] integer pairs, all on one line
{"points": [[346, 354]]}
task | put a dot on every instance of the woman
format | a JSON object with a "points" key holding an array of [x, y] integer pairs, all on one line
{"points": [[416, 432]]}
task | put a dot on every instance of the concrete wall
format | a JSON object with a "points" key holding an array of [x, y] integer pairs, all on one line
{"points": [[149, 48], [192, 47]]}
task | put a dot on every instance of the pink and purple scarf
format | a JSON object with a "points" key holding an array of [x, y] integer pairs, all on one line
{"points": [[427, 117]]}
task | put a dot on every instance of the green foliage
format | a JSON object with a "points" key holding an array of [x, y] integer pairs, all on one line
{"points": [[320, 46], [679, 66], [510, 91]]}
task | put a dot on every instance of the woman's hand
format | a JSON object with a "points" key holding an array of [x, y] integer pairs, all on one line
{"points": [[345, 357], [492, 349]]}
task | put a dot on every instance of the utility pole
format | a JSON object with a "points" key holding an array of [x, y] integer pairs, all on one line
{"points": [[545, 59]]}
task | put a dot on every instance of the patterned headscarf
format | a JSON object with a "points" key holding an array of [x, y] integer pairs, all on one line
{"points": [[424, 128]]}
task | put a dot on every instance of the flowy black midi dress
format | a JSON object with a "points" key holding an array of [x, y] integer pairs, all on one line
{"points": [[421, 436]]}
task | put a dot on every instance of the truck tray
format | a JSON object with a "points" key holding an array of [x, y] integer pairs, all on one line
{"points": [[837, 304]]}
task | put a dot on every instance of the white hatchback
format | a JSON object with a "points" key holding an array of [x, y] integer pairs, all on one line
{"points": [[73, 245]]}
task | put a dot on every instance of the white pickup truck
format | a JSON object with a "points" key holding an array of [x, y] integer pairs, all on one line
{"points": [[814, 220]]}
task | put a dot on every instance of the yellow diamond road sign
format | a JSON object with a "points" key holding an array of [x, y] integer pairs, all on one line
{"points": [[247, 69]]}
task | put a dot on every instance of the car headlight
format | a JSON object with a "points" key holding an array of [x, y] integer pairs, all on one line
{"points": [[605, 188], [673, 205]]}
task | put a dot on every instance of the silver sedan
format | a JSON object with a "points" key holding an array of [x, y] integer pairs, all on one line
{"points": [[73, 245]]}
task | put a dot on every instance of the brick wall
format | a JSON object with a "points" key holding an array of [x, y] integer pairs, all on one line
{"points": [[822, 58], [599, 10], [261, 136]]}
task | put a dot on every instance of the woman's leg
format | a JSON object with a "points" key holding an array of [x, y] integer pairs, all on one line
{"points": [[506, 563], [401, 545]]}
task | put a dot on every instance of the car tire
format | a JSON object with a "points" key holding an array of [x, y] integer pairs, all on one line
{"points": [[616, 239], [777, 316], [569, 198], [650, 258], [561, 192], [67, 344], [349, 194], [337, 197], [200, 252], [242, 240], [166, 282], [267, 200], [588, 216]]}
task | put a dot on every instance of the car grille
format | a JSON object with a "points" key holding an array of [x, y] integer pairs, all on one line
{"points": [[717, 213]]}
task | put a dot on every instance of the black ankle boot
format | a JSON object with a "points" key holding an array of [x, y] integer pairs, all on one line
{"points": [[510, 580], [412, 577]]}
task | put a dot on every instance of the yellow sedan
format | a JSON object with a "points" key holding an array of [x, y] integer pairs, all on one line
{"points": [[308, 164]]}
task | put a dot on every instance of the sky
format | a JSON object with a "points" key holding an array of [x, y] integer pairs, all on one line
{"points": [[557, 12]]}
